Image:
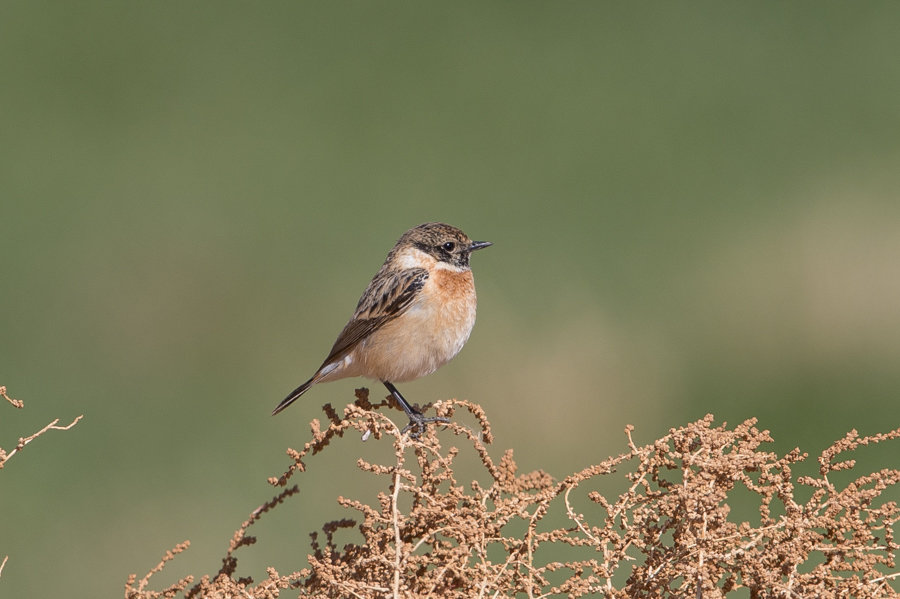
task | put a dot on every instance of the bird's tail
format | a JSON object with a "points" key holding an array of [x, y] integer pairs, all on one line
{"points": [[292, 397]]}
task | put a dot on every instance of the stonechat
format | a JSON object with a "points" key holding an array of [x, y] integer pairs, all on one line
{"points": [[414, 317]]}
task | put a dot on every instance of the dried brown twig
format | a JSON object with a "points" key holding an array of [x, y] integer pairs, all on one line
{"points": [[23, 441], [670, 533], [16, 403]]}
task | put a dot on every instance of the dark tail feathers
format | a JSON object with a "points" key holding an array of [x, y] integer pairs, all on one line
{"points": [[293, 396]]}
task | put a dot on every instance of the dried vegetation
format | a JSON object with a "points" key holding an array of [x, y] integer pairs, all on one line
{"points": [[5, 455], [670, 533]]}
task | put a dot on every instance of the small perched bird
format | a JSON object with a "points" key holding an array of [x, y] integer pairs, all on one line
{"points": [[415, 315]]}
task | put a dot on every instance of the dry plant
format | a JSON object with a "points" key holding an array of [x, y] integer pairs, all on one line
{"points": [[669, 534], [5, 456]]}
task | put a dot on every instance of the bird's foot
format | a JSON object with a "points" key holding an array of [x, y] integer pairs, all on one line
{"points": [[418, 422]]}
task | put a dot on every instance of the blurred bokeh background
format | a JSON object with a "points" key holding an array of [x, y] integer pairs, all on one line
{"points": [[694, 210]]}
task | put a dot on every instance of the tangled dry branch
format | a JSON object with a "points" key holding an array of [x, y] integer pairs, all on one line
{"points": [[5, 456], [669, 534]]}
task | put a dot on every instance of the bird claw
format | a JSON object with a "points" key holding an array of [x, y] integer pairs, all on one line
{"points": [[418, 422]]}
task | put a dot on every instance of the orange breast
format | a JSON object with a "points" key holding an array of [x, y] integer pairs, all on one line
{"points": [[453, 286], [428, 334]]}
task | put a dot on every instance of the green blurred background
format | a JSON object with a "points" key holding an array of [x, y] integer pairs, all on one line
{"points": [[694, 209]]}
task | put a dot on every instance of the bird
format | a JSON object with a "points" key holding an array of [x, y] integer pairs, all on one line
{"points": [[415, 315]]}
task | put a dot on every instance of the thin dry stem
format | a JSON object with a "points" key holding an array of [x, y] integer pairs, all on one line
{"points": [[16, 403], [23, 441]]}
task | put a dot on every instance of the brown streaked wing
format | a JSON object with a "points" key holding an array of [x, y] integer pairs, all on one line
{"points": [[386, 298]]}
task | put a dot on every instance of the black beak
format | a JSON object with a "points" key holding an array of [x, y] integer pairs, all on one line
{"points": [[477, 245]]}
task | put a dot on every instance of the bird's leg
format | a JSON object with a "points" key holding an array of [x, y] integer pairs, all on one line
{"points": [[417, 420]]}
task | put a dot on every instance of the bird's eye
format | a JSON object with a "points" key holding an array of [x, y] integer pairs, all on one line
{"points": [[449, 246]]}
